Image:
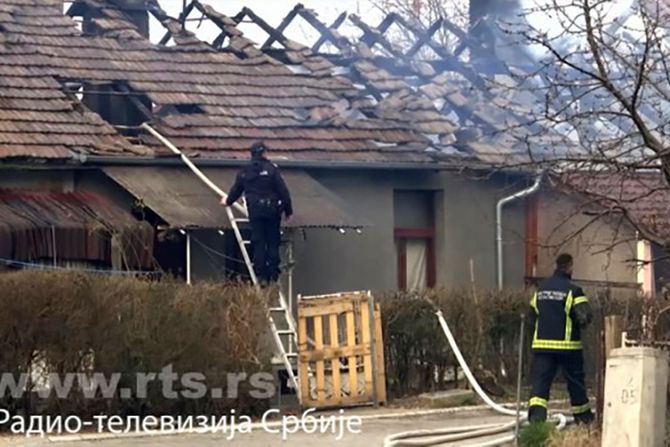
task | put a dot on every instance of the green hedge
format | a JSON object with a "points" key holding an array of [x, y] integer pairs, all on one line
{"points": [[75, 323]]}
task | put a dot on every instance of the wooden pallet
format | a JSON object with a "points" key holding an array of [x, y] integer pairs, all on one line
{"points": [[341, 352]]}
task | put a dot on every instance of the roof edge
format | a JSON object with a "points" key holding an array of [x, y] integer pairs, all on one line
{"points": [[98, 160]]}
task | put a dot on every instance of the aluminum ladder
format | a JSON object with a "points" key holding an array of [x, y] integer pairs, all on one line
{"points": [[286, 339]]}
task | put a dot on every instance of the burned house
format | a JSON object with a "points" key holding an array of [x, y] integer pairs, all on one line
{"points": [[388, 155]]}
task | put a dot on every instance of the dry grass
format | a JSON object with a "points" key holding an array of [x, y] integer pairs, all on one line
{"points": [[580, 437]]}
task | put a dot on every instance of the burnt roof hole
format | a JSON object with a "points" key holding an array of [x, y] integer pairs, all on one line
{"points": [[180, 109], [156, 29], [329, 48], [300, 30], [252, 31], [201, 26], [398, 36], [189, 109]]}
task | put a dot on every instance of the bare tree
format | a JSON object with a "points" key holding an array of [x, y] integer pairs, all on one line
{"points": [[604, 79]]}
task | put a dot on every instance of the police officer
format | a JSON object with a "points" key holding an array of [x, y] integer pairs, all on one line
{"points": [[558, 312], [267, 199]]}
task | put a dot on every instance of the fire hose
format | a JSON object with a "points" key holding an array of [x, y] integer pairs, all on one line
{"points": [[417, 438]]}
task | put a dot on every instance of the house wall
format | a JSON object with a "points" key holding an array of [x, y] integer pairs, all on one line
{"points": [[37, 180], [602, 249], [327, 261]]}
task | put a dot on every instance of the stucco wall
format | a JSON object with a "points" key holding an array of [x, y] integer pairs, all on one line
{"points": [[602, 249], [469, 232], [328, 261], [465, 229]]}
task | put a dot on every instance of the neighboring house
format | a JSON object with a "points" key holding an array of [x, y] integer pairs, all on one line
{"points": [[388, 158], [612, 223]]}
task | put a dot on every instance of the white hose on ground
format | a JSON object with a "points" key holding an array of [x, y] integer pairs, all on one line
{"points": [[421, 438]]}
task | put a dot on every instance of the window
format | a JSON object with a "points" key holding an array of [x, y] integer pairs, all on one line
{"points": [[415, 239]]}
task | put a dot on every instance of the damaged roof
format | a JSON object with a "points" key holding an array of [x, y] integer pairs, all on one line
{"points": [[463, 98], [74, 226], [212, 104]]}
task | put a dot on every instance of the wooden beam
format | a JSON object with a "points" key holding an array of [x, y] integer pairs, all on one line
{"points": [[467, 72], [334, 26], [136, 102], [321, 27], [372, 36], [218, 42], [277, 36], [382, 28], [422, 40], [466, 41], [182, 19], [286, 21]]}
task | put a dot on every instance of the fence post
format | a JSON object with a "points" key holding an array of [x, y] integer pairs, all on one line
{"points": [[601, 354], [613, 332], [373, 347]]}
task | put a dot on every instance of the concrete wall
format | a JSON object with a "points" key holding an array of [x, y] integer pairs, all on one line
{"points": [[602, 249]]}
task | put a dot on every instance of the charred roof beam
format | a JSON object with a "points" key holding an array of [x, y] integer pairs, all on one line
{"points": [[144, 110], [275, 34], [427, 36], [450, 59], [369, 39], [285, 23], [372, 36], [182, 19], [339, 41], [334, 26]]}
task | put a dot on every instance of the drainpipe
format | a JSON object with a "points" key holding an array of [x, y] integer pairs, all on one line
{"points": [[499, 209]]}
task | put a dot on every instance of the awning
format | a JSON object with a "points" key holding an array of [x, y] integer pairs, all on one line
{"points": [[183, 201], [70, 227]]}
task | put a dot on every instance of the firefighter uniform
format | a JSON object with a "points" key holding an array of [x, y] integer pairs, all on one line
{"points": [[558, 312], [267, 198]]}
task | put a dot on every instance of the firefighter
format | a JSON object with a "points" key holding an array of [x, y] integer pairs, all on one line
{"points": [[558, 313], [267, 199]]}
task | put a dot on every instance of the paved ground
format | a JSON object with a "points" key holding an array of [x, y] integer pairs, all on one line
{"points": [[373, 433]]}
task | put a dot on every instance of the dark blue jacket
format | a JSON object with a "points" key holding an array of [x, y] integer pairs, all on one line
{"points": [[264, 188]]}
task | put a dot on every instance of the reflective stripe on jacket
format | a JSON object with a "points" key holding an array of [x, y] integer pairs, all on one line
{"points": [[552, 309]]}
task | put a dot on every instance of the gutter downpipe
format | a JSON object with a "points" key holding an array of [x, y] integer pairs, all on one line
{"points": [[499, 209]]}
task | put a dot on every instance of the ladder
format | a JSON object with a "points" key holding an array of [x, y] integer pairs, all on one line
{"points": [[285, 338]]}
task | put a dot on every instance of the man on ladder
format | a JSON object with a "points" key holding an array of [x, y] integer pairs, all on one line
{"points": [[267, 199], [558, 312]]}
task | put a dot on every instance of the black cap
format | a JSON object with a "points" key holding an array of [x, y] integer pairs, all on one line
{"points": [[257, 148]]}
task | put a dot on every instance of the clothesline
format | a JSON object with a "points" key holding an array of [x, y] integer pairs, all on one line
{"points": [[35, 266]]}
